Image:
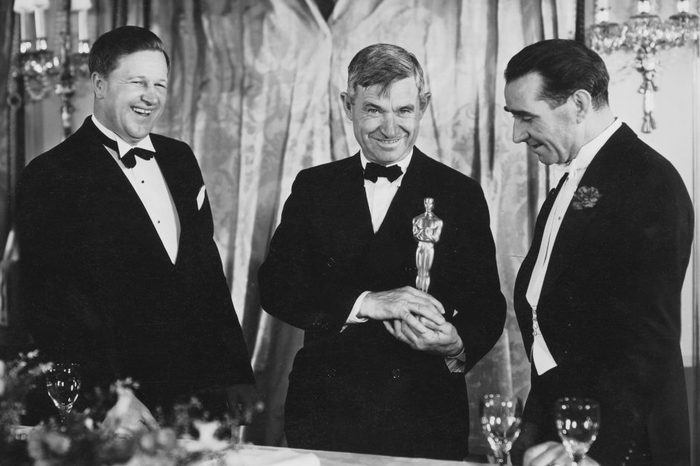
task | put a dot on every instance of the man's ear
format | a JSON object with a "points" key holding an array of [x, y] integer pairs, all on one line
{"points": [[584, 103], [425, 101], [98, 84], [347, 104]]}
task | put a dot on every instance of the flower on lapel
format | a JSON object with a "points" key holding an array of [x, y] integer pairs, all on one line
{"points": [[585, 197]]}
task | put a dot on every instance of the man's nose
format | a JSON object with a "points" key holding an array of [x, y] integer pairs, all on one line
{"points": [[150, 95], [388, 125], [519, 132]]}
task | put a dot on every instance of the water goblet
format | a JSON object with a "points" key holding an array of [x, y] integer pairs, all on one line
{"points": [[578, 421], [63, 386], [500, 421]]}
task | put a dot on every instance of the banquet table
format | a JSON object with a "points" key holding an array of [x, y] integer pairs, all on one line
{"points": [[299, 457]]}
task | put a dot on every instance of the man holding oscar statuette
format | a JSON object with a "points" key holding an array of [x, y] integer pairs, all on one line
{"points": [[383, 363]]}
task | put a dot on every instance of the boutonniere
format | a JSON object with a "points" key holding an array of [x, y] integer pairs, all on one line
{"points": [[585, 197]]}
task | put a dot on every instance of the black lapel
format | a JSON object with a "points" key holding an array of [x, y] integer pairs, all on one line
{"points": [[350, 187], [408, 201], [394, 243], [115, 193], [525, 272], [573, 227], [341, 212]]}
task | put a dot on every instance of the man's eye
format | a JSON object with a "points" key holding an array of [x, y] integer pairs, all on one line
{"points": [[372, 111]]}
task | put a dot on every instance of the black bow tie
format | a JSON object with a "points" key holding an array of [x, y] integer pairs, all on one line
{"points": [[128, 159], [374, 171]]}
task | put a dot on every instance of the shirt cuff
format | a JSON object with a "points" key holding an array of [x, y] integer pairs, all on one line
{"points": [[352, 318], [457, 363]]}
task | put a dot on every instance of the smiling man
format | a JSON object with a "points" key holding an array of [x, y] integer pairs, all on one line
{"points": [[598, 295], [120, 271], [382, 367]]}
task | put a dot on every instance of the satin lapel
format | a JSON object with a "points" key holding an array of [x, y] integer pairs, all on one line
{"points": [[343, 209], [396, 229], [351, 188], [113, 190], [575, 223], [528, 264], [116, 195]]}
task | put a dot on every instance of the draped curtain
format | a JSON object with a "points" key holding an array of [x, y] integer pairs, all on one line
{"points": [[255, 90]]}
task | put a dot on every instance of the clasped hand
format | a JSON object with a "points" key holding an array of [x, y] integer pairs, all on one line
{"points": [[415, 318]]}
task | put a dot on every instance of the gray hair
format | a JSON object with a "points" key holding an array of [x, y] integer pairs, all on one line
{"points": [[384, 64]]}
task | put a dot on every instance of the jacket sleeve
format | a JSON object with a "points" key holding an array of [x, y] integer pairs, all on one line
{"points": [[228, 335], [63, 312], [641, 376], [469, 284], [297, 284]]}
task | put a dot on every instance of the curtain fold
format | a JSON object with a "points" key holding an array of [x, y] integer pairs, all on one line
{"points": [[255, 90]]}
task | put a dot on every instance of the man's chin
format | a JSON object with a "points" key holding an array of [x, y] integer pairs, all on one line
{"points": [[388, 157]]}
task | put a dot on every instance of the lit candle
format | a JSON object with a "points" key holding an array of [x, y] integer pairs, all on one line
{"points": [[82, 7], [40, 7], [39, 25], [23, 17], [83, 25], [23, 8]]}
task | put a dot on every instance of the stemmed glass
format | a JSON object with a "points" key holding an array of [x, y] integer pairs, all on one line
{"points": [[500, 420], [63, 386], [578, 420]]}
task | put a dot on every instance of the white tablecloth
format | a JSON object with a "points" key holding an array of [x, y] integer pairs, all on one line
{"points": [[298, 457]]}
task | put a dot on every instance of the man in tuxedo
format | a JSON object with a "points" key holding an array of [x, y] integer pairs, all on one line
{"points": [[382, 367], [598, 295], [119, 266]]}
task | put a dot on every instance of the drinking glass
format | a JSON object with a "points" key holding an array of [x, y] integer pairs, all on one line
{"points": [[578, 420], [63, 386], [500, 420]]}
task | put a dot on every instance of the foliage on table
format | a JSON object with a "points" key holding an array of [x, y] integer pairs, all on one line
{"points": [[17, 378], [82, 441]]}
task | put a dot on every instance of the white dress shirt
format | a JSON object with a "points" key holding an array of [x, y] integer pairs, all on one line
{"points": [[541, 356], [148, 182], [379, 196]]}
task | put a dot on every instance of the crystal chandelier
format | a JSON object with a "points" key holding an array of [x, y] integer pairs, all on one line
{"points": [[644, 34], [42, 71]]}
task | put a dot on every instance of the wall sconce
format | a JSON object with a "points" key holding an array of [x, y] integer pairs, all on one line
{"points": [[41, 70], [645, 34]]}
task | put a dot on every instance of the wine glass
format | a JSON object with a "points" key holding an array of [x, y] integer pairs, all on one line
{"points": [[578, 420], [500, 420], [63, 386]]}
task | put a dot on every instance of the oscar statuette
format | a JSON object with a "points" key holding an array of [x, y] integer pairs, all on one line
{"points": [[426, 230]]}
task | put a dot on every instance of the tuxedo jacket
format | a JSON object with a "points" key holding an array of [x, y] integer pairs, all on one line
{"points": [[99, 287], [610, 305], [356, 387]]}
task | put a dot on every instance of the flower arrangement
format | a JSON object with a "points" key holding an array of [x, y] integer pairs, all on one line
{"points": [[82, 439], [585, 197], [17, 378]]}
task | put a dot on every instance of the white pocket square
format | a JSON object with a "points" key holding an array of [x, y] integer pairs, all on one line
{"points": [[200, 197]]}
